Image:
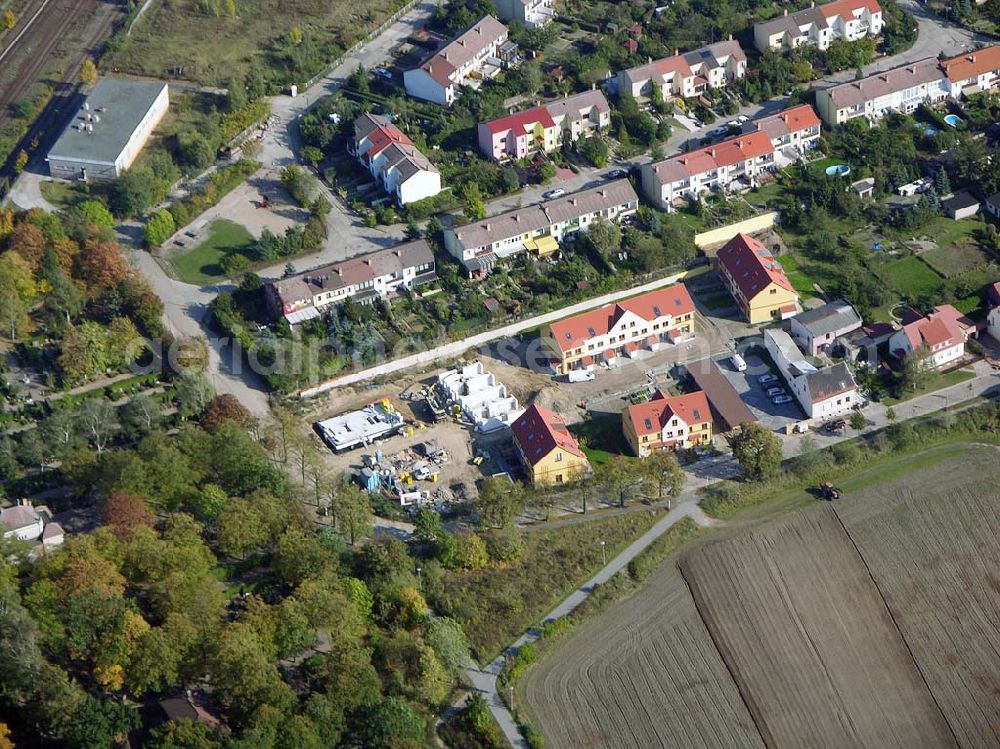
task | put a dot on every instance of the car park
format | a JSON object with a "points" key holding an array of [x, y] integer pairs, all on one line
{"points": [[557, 193], [780, 399]]}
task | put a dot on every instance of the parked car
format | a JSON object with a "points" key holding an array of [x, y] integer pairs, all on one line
{"points": [[616, 174], [773, 392], [780, 399], [767, 379], [743, 119], [720, 131], [835, 426], [557, 193], [739, 364]]}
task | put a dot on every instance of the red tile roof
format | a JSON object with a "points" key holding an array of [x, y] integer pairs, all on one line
{"points": [[521, 122], [972, 64], [790, 121], [752, 266], [727, 153], [539, 431], [650, 417], [384, 137], [846, 8], [936, 329], [631, 45], [574, 331]]}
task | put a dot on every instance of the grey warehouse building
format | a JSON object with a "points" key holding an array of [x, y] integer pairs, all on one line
{"points": [[109, 130]]}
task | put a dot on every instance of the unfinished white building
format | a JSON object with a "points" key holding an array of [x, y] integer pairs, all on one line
{"points": [[362, 427], [479, 396]]}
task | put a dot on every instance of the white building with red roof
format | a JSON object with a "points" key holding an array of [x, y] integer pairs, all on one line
{"points": [[973, 72], [674, 423], [756, 280], [544, 128], [938, 338], [743, 158], [820, 25], [821, 391], [391, 158], [624, 329], [466, 57], [27, 522], [686, 75], [549, 453], [793, 131]]}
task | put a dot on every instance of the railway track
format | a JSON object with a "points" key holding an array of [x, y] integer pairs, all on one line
{"points": [[61, 30]]}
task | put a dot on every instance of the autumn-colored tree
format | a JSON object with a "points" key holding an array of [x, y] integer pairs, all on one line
{"points": [[103, 266], [8, 20], [88, 72], [28, 241], [21, 161], [125, 512], [86, 570], [223, 407], [6, 221], [5, 742]]}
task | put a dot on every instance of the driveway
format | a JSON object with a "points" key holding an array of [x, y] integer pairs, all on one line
{"points": [[753, 393]]}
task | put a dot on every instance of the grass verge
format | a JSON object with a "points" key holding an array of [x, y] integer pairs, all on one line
{"points": [[497, 604], [935, 382]]}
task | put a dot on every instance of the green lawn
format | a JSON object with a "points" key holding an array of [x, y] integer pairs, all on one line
{"points": [[201, 265], [601, 438], [947, 232], [910, 275], [63, 194], [934, 383], [801, 281], [954, 260], [716, 301]]}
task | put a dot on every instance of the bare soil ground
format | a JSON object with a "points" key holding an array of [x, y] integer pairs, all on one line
{"points": [[643, 674], [808, 639], [930, 542], [873, 622]]}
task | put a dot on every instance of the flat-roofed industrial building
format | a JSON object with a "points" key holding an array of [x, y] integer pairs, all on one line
{"points": [[109, 130]]}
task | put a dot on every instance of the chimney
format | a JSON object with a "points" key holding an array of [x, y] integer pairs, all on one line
{"points": [[676, 51], [786, 11], [340, 271], [367, 262], [572, 201], [487, 225], [713, 153], [397, 253]]}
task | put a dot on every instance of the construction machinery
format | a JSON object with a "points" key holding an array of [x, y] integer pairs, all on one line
{"points": [[829, 491]]}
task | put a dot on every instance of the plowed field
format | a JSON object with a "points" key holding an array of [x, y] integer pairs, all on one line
{"points": [[874, 622]]}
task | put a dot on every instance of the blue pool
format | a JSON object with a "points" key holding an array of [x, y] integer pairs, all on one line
{"points": [[838, 170], [952, 120]]}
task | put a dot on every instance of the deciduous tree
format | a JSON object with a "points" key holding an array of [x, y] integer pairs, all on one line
{"points": [[758, 451]]}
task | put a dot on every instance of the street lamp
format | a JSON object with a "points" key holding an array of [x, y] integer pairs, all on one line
{"points": [[420, 580], [510, 689], [604, 556]]}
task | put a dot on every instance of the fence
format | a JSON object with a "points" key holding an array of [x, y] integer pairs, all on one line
{"points": [[725, 233]]}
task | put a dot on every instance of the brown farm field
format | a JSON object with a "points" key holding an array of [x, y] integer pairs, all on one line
{"points": [[871, 622], [179, 39]]}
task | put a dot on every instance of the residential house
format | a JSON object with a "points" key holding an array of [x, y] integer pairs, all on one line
{"points": [[973, 72], [673, 423], [531, 13], [458, 63], [822, 392], [756, 280], [993, 323], [364, 278], [729, 412], [479, 246], [820, 26], [549, 453], [686, 75], [818, 329], [390, 156], [606, 334], [26, 522], [544, 128], [794, 131], [901, 89], [938, 338], [743, 158], [992, 205]]}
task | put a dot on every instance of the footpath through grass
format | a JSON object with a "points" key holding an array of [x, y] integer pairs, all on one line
{"points": [[202, 265], [496, 605]]}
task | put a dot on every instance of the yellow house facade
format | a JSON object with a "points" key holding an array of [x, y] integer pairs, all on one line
{"points": [[756, 281], [672, 423], [549, 453]]}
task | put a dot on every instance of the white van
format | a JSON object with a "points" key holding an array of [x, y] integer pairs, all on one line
{"points": [[738, 363]]}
